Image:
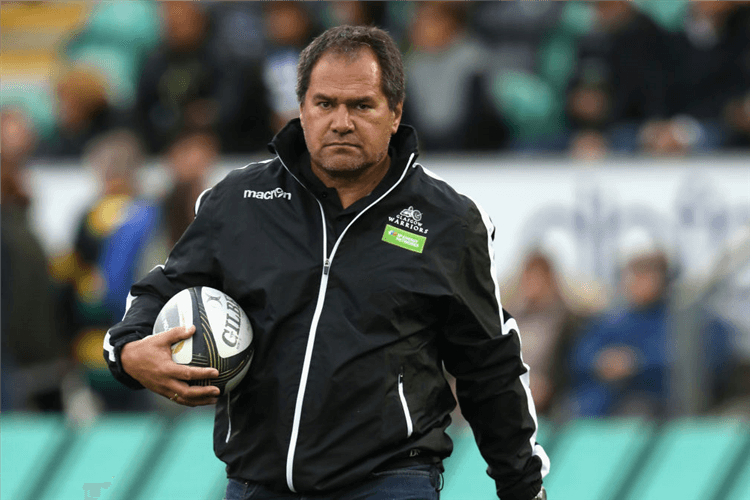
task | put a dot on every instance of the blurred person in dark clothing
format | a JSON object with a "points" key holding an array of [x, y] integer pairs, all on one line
{"points": [[83, 112], [621, 80], [189, 81], [623, 361], [712, 78], [355, 13], [446, 69], [288, 28], [34, 353], [102, 266]]}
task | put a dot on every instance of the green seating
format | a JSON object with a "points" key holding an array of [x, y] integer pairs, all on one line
{"points": [[689, 460], [592, 458], [187, 468], [106, 459], [741, 484], [27, 444]]}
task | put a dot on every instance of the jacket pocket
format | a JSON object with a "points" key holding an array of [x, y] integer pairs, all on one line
{"points": [[404, 404]]}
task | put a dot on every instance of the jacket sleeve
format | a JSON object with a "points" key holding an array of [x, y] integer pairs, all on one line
{"points": [[190, 263], [482, 349]]}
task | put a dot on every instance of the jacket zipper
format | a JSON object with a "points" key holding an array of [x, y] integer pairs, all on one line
{"points": [[404, 405], [327, 261], [229, 419]]}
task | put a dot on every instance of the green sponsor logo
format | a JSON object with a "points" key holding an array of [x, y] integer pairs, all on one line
{"points": [[404, 239]]}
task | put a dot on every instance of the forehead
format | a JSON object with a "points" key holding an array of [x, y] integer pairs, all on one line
{"points": [[350, 75]]}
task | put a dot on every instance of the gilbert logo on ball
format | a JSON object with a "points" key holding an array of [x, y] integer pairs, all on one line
{"points": [[223, 335]]}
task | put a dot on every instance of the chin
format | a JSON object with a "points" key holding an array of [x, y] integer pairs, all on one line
{"points": [[343, 165]]}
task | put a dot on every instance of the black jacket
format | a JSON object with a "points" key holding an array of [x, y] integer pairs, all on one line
{"points": [[353, 315]]}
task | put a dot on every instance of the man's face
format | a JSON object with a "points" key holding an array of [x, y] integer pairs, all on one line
{"points": [[345, 115]]}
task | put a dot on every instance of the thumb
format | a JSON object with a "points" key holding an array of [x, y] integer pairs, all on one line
{"points": [[178, 333]]}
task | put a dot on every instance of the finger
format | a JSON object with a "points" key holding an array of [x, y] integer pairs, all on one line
{"points": [[197, 402], [179, 333], [190, 392], [196, 396], [185, 372]]}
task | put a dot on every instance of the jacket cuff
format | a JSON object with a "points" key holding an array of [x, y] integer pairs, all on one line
{"points": [[119, 373], [521, 493]]}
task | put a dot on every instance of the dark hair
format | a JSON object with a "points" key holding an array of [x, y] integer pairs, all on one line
{"points": [[349, 40]]}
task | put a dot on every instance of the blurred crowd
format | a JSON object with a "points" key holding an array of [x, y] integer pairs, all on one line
{"points": [[189, 82], [588, 78]]}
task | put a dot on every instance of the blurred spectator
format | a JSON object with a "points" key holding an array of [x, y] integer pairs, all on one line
{"points": [[355, 13], [640, 87], [102, 267], [529, 62], [34, 353], [116, 38], [83, 112], [288, 28], [621, 80], [238, 31], [447, 82], [711, 79], [623, 362], [550, 309], [189, 161], [191, 82]]}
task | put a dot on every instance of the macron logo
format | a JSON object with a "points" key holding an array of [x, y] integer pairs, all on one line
{"points": [[268, 195]]}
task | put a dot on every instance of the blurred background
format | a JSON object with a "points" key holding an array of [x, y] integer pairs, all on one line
{"points": [[608, 141]]}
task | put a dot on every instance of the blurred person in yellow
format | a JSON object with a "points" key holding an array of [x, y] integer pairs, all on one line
{"points": [[103, 263], [34, 353]]}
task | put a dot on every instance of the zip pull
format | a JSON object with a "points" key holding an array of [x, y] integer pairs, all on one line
{"points": [[326, 267]]}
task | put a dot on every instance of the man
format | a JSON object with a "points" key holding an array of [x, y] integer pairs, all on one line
{"points": [[361, 274]]}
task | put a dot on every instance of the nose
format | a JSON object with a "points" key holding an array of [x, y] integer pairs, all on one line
{"points": [[342, 121]]}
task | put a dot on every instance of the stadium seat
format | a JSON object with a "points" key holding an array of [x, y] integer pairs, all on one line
{"points": [[187, 468], [28, 443], [592, 458], [106, 460], [690, 460], [741, 484]]}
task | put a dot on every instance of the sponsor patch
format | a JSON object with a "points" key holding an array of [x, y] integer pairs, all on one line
{"points": [[404, 239]]}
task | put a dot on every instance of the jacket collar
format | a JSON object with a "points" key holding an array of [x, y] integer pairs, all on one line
{"points": [[289, 145]]}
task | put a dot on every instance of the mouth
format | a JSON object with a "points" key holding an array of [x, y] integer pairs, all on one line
{"points": [[342, 144]]}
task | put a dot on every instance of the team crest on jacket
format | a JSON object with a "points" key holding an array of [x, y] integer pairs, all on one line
{"points": [[409, 218]]}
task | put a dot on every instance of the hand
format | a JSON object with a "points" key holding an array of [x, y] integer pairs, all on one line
{"points": [[149, 361], [616, 363]]}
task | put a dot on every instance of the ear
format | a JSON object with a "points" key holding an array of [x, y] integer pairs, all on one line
{"points": [[397, 117], [301, 115]]}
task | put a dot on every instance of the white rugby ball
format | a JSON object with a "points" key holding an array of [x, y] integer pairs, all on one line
{"points": [[223, 336]]}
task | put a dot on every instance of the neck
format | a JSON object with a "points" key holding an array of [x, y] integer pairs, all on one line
{"points": [[353, 186]]}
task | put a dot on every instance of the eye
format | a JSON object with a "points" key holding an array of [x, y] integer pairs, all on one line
{"points": [[362, 106], [324, 104]]}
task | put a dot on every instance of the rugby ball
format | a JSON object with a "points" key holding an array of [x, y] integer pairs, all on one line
{"points": [[223, 336]]}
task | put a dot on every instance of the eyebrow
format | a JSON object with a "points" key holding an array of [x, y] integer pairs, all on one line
{"points": [[356, 100]]}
